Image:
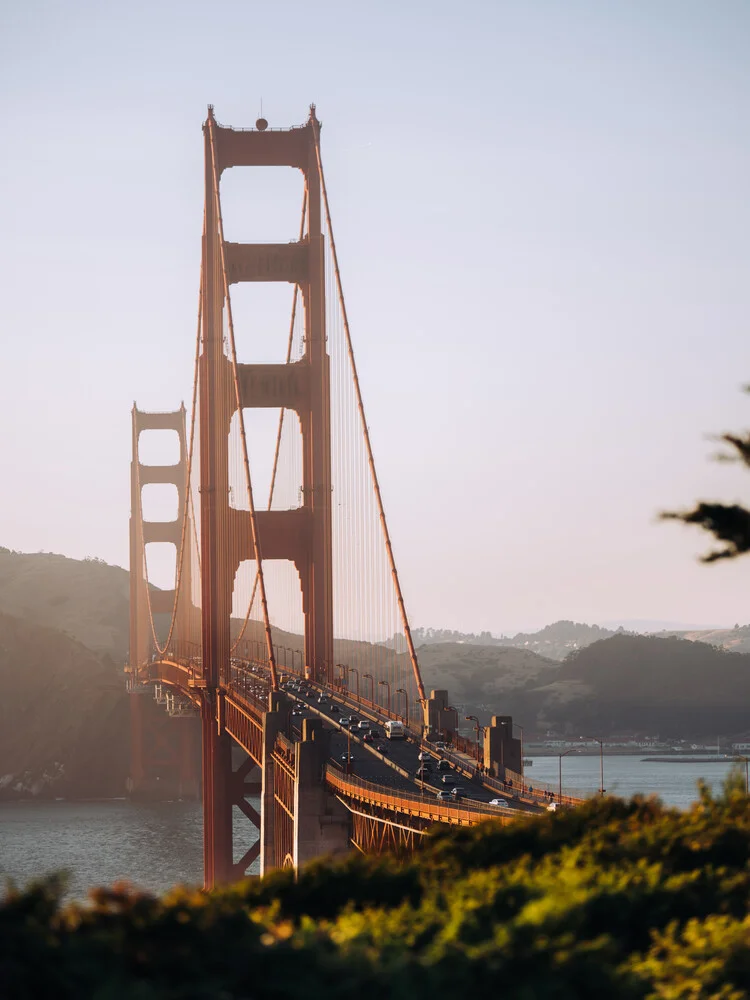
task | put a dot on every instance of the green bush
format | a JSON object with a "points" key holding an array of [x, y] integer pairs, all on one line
{"points": [[611, 901]]}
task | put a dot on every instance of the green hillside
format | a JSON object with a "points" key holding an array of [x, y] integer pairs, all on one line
{"points": [[86, 598], [63, 715]]}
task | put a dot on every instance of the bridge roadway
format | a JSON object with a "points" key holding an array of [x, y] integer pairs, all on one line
{"points": [[392, 768]]}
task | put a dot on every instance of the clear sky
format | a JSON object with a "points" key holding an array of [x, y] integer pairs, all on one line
{"points": [[542, 215]]}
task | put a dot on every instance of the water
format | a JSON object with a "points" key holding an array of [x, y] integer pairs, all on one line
{"points": [[675, 784], [155, 845]]}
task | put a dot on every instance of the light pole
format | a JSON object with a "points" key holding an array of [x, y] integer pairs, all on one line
{"points": [[342, 670], [559, 787], [450, 708], [517, 726], [372, 687], [406, 699], [387, 685], [593, 739], [355, 671], [477, 727], [747, 761]]}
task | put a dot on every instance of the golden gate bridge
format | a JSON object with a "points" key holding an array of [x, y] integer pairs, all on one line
{"points": [[291, 599]]}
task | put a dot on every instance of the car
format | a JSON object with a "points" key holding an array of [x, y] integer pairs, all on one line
{"points": [[335, 710], [425, 756], [363, 725], [444, 796], [458, 792], [322, 699], [347, 758], [344, 722], [449, 779], [297, 711], [382, 748], [354, 719], [552, 807], [500, 803], [440, 745], [422, 773], [443, 765], [368, 738]]}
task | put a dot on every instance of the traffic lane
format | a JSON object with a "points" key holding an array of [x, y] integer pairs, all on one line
{"points": [[367, 766], [404, 752]]}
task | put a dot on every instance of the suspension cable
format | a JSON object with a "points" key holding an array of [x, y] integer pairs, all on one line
{"points": [[360, 406], [186, 507]]}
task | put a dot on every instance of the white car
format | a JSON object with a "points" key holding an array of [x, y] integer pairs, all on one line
{"points": [[552, 807], [501, 803]]}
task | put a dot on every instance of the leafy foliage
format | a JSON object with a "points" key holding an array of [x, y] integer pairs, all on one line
{"points": [[728, 523], [617, 900]]}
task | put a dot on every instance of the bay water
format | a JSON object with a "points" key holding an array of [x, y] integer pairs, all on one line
{"points": [[158, 844]]}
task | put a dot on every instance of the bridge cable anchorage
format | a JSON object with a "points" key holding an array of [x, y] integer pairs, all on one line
{"points": [[360, 405], [241, 420], [187, 508], [274, 470]]}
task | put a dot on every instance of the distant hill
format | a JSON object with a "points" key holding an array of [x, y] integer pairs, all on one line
{"points": [[63, 714], [624, 683], [86, 598], [482, 676]]}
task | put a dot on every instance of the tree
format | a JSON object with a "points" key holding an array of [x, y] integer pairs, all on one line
{"points": [[728, 523]]}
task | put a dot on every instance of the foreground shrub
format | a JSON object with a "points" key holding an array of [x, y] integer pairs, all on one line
{"points": [[612, 900]]}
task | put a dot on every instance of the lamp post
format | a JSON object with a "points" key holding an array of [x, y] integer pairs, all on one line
{"points": [[593, 739], [477, 727], [355, 671], [564, 754], [342, 671], [387, 685], [740, 758], [450, 708], [517, 726], [372, 687], [406, 699]]}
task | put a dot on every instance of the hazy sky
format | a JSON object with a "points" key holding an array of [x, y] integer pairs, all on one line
{"points": [[542, 215]]}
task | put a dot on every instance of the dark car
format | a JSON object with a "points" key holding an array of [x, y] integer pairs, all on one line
{"points": [[347, 758], [423, 772], [443, 765], [382, 748], [368, 738], [335, 710]]}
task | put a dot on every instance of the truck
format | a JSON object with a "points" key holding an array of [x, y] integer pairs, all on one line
{"points": [[395, 730]]}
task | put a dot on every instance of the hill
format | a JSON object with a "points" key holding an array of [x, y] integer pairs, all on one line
{"points": [[482, 677], [86, 598], [63, 715]]}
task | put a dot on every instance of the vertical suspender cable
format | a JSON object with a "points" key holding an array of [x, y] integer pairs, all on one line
{"points": [[368, 445]]}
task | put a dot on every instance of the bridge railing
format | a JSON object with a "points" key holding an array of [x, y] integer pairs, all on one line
{"points": [[410, 804]]}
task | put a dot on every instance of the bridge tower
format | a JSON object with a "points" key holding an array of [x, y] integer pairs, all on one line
{"points": [[229, 536], [163, 752]]}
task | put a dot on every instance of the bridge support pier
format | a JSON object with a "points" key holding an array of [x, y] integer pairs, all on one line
{"points": [[501, 752], [322, 825], [440, 718], [274, 721]]}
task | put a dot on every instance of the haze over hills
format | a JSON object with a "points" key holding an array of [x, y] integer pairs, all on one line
{"points": [[63, 640]]}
